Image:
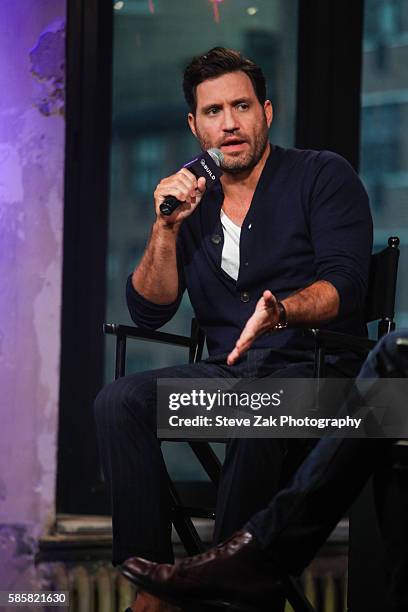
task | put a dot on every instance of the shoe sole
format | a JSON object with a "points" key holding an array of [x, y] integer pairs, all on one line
{"points": [[193, 606]]}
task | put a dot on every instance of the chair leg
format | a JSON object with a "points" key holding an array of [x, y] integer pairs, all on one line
{"points": [[208, 460], [184, 526], [296, 597]]}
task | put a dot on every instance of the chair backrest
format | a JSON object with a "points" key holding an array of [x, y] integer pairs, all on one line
{"points": [[382, 285]]}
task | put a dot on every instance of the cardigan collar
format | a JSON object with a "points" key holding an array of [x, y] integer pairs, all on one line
{"points": [[213, 202]]}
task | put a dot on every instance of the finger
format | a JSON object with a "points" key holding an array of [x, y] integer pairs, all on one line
{"points": [[237, 352], [190, 187], [248, 335], [178, 191], [250, 331], [241, 346], [268, 295], [180, 180], [188, 176], [201, 184], [233, 357], [270, 300], [187, 185], [194, 193], [245, 340]]}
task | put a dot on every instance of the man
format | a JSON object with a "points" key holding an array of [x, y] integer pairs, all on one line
{"points": [[284, 242], [246, 572]]}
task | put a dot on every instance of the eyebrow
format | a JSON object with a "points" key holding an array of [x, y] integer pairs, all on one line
{"points": [[208, 107]]}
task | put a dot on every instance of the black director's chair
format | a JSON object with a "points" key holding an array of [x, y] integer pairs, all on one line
{"points": [[380, 302], [379, 306]]}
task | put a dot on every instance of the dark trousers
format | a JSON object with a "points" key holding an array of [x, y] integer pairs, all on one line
{"points": [[253, 471], [299, 519]]}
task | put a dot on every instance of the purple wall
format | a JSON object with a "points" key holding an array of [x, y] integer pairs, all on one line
{"points": [[31, 211]]}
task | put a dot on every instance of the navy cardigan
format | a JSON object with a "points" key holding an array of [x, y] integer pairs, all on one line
{"points": [[309, 220]]}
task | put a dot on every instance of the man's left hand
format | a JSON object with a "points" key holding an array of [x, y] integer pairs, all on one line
{"points": [[264, 319]]}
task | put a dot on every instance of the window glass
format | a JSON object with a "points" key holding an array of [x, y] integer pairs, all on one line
{"points": [[384, 128]]}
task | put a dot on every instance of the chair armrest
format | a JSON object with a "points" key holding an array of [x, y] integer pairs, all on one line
{"points": [[194, 343], [327, 339], [127, 331]]}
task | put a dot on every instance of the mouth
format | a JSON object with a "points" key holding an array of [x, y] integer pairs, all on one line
{"points": [[233, 144]]}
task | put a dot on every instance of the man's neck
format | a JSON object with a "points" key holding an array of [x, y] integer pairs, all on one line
{"points": [[246, 181]]}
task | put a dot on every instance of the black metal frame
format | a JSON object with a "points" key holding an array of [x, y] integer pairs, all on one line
{"points": [[86, 197], [382, 284], [182, 515]]}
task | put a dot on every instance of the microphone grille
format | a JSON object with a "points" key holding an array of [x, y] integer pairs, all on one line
{"points": [[216, 155]]}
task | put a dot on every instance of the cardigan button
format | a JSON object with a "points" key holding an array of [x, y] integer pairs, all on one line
{"points": [[245, 297], [216, 239]]}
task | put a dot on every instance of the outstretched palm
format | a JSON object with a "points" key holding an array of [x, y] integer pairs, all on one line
{"points": [[264, 319]]}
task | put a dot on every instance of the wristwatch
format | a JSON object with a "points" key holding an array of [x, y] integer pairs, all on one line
{"points": [[283, 320]]}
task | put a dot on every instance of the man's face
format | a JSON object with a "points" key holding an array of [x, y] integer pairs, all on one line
{"points": [[230, 117]]}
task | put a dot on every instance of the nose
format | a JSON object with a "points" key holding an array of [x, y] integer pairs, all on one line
{"points": [[230, 123]]}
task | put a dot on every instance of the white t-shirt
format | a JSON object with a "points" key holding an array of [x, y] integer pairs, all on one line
{"points": [[230, 251]]}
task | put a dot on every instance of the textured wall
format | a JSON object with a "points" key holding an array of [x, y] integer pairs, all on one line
{"points": [[31, 212]]}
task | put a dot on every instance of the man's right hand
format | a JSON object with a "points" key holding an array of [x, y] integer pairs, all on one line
{"points": [[186, 188], [156, 277]]}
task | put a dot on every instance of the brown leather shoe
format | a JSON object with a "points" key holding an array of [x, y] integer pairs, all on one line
{"points": [[235, 575], [145, 602]]}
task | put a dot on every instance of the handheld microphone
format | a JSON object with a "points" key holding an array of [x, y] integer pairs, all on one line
{"points": [[207, 164]]}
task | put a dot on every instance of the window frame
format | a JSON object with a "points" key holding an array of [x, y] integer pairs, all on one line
{"points": [[327, 116]]}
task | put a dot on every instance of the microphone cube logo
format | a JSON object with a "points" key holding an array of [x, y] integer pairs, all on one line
{"points": [[207, 169]]}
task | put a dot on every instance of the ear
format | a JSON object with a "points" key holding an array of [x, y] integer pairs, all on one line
{"points": [[191, 123], [268, 109]]}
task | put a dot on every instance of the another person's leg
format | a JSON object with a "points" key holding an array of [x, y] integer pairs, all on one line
{"points": [[331, 477], [284, 536], [282, 539], [391, 497], [391, 488], [300, 518]]}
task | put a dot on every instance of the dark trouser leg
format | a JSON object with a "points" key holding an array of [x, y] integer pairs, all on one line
{"points": [[134, 469], [250, 478], [299, 519], [391, 497], [132, 462], [391, 491]]}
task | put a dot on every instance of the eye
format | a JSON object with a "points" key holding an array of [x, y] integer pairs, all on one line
{"points": [[213, 111], [243, 106]]}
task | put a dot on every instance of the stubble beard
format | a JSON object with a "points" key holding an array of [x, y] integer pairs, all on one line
{"points": [[246, 160]]}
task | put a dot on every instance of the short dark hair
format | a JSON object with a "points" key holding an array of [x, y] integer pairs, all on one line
{"points": [[215, 63]]}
